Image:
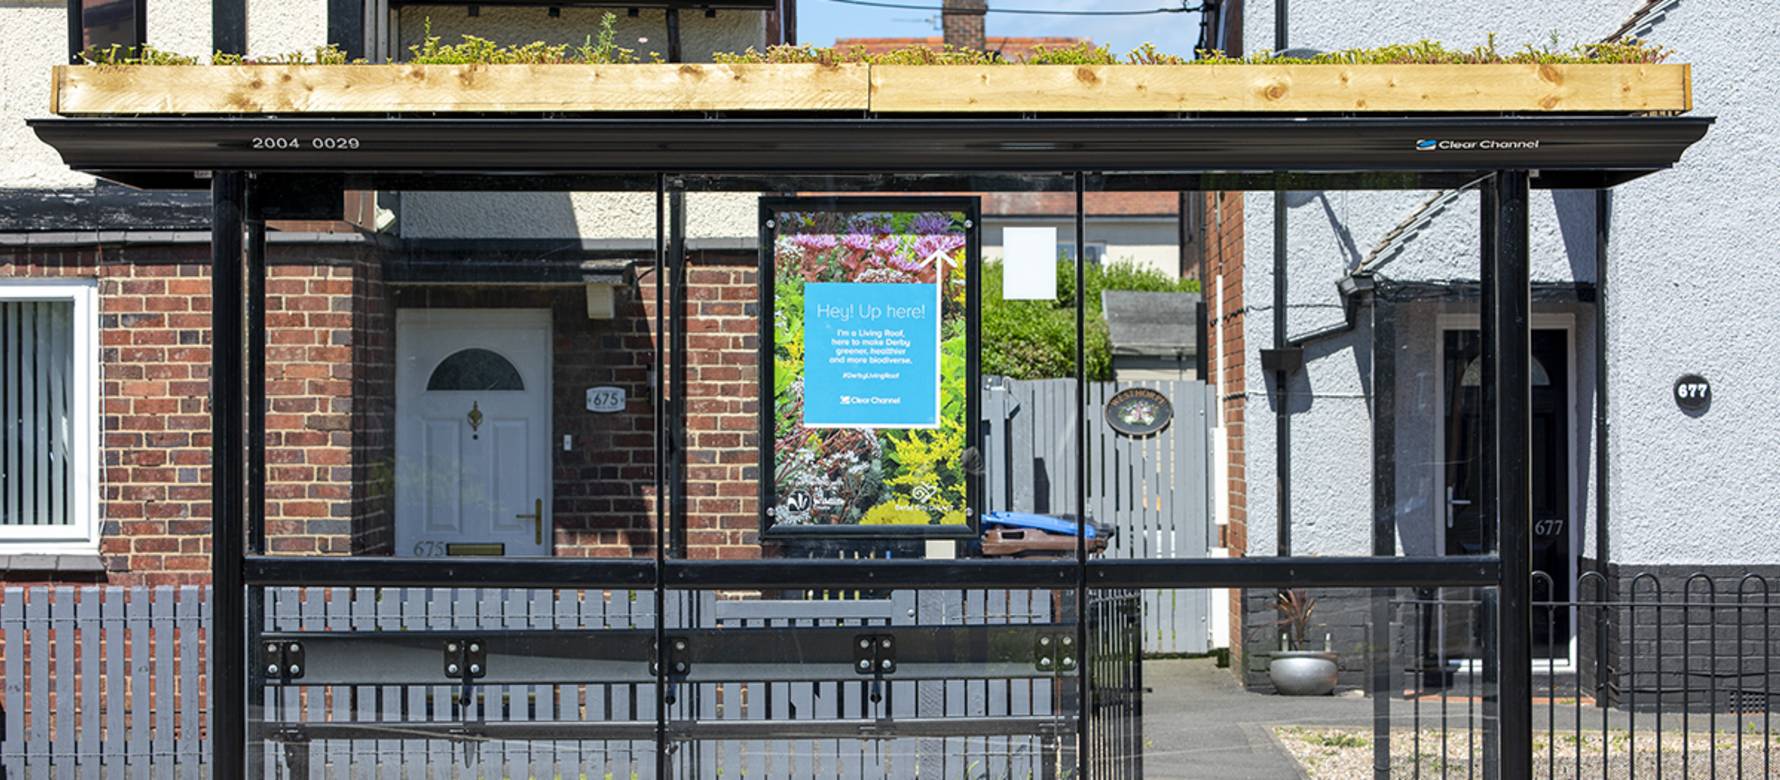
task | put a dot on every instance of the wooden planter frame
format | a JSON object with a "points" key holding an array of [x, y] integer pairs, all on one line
{"points": [[239, 90]]}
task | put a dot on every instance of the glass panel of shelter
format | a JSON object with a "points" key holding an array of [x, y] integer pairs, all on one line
{"points": [[480, 385], [850, 336], [1189, 452], [486, 393], [720, 357], [918, 398]]}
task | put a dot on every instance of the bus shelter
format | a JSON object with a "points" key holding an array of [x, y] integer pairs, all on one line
{"points": [[670, 657]]}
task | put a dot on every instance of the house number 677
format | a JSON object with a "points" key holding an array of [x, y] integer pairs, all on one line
{"points": [[1693, 393]]}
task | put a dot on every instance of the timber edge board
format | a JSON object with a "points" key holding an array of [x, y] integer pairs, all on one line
{"points": [[245, 90]]}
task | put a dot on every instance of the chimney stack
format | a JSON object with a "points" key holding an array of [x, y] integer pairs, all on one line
{"points": [[962, 21]]}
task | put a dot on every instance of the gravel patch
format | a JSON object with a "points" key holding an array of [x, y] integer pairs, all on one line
{"points": [[1344, 754]]}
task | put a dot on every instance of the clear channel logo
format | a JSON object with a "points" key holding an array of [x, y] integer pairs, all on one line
{"points": [[1436, 144]]}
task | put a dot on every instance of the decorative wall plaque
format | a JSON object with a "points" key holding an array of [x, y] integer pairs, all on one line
{"points": [[1139, 411]]}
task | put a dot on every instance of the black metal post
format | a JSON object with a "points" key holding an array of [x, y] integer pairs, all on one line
{"points": [[1384, 523], [256, 469], [256, 382], [227, 637], [676, 428], [662, 484], [1508, 409], [1083, 662], [1488, 600]]}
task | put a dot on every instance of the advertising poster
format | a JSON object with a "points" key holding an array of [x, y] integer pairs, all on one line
{"points": [[870, 332]]}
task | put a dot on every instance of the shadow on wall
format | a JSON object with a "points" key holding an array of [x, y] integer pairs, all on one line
{"points": [[1357, 343], [1350, 250], [1576, 223]]}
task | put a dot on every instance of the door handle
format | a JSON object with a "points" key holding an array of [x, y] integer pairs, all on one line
{"points": [[537, 518], [1452, 502]]}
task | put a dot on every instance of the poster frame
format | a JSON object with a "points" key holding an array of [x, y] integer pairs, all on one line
{"points": [[971, 207]]}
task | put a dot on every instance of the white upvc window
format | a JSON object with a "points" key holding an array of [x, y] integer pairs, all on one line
{"points": [[49, 416]]}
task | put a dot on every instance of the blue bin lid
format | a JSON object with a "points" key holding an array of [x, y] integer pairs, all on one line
{"points": [[1047, 523]]}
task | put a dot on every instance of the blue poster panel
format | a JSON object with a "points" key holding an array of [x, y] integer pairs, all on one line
{"points": [[871, 355], [870, 336]]}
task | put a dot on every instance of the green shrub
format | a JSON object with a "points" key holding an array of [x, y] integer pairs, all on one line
{"points": [[1036, 339]]}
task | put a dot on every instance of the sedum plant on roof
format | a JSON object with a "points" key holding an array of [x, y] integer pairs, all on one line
{"points": [[1624, 51], [147, 54], [601, 48]]}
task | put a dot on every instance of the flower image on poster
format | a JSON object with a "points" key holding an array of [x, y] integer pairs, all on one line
{"points": [[870, 332]]}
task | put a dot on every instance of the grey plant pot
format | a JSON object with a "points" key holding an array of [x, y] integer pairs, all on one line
{"points": [[1303, 672]]}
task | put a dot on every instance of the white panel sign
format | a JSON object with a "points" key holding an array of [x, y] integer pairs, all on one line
{"points": [[1029, 263]]}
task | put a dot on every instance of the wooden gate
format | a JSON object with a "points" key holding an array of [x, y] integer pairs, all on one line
{"points": [[1153, 489]]}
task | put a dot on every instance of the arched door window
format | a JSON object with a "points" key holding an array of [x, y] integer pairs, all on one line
{"points": [[475, 369], [1474, 373]]}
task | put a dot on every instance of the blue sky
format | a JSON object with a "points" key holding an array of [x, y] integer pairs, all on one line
{"points": [[821, 21]]}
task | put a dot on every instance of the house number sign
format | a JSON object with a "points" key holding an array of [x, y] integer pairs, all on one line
{"points": [[1693, 393], [605, 400]]}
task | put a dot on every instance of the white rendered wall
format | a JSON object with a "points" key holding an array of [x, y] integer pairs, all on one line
{"points": [[1691, 286], [624, 218], [33, 38]]}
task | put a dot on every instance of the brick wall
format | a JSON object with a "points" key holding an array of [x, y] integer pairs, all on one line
{"points": [[373, 410], [154, 465], [310, 378], [154, 334], [330, 418], [1224, 223], [155, 381], [723, 411]]}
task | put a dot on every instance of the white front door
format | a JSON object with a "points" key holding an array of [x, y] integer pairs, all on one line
{"points": [[472, 432]]}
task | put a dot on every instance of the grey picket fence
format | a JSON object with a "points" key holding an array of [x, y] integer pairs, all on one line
{"points": [[104, 682], [1153, 489], [108, 682]]}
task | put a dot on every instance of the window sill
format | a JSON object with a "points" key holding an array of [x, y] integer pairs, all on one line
{"points": [[45, 563]]}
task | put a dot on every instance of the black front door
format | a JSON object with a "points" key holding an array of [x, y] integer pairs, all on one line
{"points": [[1465, 532]]}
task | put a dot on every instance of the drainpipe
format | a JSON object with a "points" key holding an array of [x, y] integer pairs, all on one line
{"points": [[1282, 448], [674, 53], [1603, 231], [228, 26], [1281, 10]]}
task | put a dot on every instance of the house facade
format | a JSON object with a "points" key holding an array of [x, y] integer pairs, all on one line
{"points": [[1631, 479]]}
